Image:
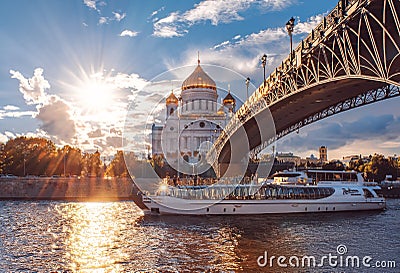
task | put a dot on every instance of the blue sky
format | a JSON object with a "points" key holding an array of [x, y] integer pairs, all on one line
{"points": [[69, 69]]}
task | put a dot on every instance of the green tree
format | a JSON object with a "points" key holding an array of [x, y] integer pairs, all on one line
{"points": [[334, 165], [69, 161], [38, 156], [92, 164], [117, 167], [23, 156], [378, 168]]}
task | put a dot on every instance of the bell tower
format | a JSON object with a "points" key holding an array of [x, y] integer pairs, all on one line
{"points": [[172, 105]]}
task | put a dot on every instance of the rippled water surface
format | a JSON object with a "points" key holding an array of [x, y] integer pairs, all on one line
{"points": [[115, 237]]}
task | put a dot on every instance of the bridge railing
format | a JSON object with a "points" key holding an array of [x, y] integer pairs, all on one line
{"points": [[328, 24], [294, 59]]}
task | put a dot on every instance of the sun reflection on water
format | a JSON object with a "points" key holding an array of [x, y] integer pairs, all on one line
{"points": [[93, 241]]}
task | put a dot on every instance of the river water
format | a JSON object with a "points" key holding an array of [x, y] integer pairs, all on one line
{"points": [[46, 236]]}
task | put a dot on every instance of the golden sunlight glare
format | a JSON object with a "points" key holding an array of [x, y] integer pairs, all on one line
{"points": [[95, 94]]}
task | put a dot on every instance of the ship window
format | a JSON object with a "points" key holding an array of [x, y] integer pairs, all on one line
{"points": [[334, 208], [224, 209], [234, 209], [284, 192], [208, 209], [319, 208], [305, 208], [367, 193], [378, 192]]}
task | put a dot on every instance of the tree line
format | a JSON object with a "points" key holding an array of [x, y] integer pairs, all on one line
{"points": [[23, 156], [374, 168]]}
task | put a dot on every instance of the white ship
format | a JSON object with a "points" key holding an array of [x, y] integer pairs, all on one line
{"points": [[288, 192]]}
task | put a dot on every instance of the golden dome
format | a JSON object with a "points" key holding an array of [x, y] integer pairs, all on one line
{"points": [[229, 99], [172, 99], [199, 79], [220, 111]]}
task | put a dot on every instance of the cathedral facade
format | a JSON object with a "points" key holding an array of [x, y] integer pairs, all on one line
{"points": [[194, 120]]}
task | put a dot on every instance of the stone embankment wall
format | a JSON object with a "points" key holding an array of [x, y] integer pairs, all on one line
{"points": [[69, 188]]}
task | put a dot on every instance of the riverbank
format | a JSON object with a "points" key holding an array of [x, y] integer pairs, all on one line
{"points": [[68, 188], [91, 189], [391, 190]]}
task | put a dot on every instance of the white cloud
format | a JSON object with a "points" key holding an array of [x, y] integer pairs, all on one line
{"points": [[33, 88], [9, 134], [16, 114], [94, 4], [310, 24], [11, 108], [3, 138], [133, 81], [119, 16], [242, 53], [90, 3], [129, 33], [96, 133], [154, 13], [167, 31], [221, 45], [223, 11], [103, 20], [263, 37], [168, 27], [52, 111]]}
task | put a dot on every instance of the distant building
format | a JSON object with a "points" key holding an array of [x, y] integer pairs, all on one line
{"points": [[288, 157], [323, 154], [311, 159], [350, 158]]}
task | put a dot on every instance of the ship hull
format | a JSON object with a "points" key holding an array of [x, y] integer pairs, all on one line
{"points": [[248, 207]]}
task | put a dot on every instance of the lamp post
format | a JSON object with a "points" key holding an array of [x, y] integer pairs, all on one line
{"points": [[247, 87], [64, 164], [24, 166], [289, 28], [264, 62], [24, 154]]}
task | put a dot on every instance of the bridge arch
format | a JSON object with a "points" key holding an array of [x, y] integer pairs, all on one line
{"points": [[352, 58]]}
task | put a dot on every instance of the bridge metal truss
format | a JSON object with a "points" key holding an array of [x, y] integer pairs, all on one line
{"points": [[347, 50], [357, 41]]}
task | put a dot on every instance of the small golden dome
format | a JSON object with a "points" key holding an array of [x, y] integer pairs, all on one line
{"points": [[229, 99], [199, 79], [172, 99], [220, 111]]}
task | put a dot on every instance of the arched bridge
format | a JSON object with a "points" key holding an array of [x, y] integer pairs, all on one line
{"points": [[350, 59]]}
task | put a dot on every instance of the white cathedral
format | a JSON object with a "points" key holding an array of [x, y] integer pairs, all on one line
{"points": [[192, 119]]}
